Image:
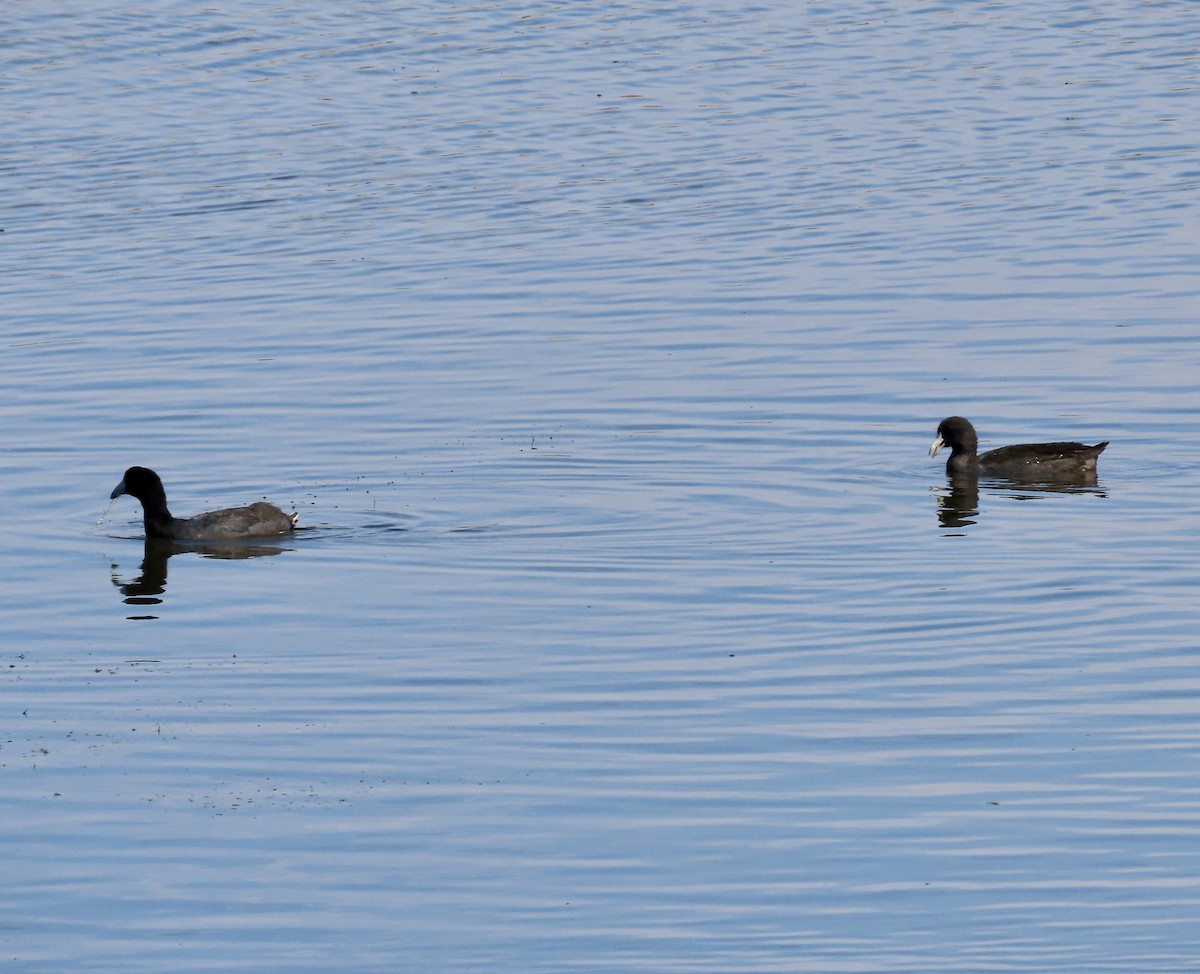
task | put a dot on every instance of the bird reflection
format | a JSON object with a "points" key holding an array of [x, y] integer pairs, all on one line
{"points": [[959, 506], [958, 503], [151, 580]]}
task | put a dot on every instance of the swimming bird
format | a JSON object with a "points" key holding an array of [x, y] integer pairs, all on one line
{"points": [[1028, 461], [259, 520]]}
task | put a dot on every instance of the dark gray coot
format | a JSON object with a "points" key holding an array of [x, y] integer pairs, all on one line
{"points": [[259, 520], [1028, 461]]}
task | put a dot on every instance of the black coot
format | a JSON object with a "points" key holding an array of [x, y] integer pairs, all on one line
{"points": [[1029, 461], [259, 520]]}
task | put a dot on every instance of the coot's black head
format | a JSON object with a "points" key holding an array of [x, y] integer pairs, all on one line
{"points": [[142, 483], [956, 433]]}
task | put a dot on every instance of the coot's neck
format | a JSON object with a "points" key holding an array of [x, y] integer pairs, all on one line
{"points": [[155, 516], [961, 462], [963, 457]]}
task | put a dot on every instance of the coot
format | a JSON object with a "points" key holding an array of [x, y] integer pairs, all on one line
{"points": [[1029, 461], [259, 520]]}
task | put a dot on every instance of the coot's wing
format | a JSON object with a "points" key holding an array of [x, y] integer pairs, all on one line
{"points": [[259, 520]]}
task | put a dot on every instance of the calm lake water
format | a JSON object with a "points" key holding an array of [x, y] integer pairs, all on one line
{"points": [[599, 348]]}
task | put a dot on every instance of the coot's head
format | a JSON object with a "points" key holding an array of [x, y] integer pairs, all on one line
{"points": [[142, 483], [956, 433]]}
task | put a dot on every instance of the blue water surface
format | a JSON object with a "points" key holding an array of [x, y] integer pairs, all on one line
{"points": [[630, 628]]}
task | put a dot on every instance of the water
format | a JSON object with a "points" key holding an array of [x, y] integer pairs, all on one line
{"points": [[630, 628]]}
